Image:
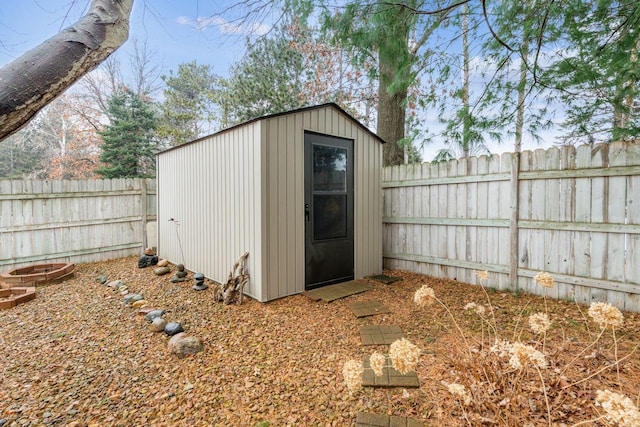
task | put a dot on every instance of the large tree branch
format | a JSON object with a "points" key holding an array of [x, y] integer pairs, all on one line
{"points": [[40, 75]]}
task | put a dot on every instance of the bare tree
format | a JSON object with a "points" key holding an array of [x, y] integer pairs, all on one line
{"points": [[146, 71], [37, 77]]}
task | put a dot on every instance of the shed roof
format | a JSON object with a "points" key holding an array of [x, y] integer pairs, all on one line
{"points": [[299, 110]]}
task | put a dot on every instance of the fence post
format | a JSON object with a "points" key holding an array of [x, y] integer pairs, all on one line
{"points": [[513, 223], [143, 203]]}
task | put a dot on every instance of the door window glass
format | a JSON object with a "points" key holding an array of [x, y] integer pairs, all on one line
{"points": [[329, 216], [329, 169]]}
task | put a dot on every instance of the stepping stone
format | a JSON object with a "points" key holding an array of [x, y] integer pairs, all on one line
{"points": [[340, 290], [368, 308], [364, 419], [380, 334], [387, 280], [389, 378]]}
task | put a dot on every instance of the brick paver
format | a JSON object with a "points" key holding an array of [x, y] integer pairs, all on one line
{"points": [[389, 378], [387, 280], [340, 290], [380, 334], [365, 419], [368, 308]]}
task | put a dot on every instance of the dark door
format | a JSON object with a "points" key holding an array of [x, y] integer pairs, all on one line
{"points": [[328, 198]]}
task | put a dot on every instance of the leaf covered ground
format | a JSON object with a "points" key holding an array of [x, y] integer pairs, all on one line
{"points": [[76, 355]]}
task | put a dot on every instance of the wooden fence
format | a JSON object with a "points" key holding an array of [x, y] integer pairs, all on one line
{"points": [[574, 213], [73, 221]]}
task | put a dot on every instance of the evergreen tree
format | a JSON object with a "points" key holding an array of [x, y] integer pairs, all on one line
{"points": [[187, 104], [598, 73], [128, 149], [18, 158], [269, 79]]}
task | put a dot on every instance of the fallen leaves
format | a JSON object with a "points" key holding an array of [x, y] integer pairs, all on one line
{"points": [[78, 354]]}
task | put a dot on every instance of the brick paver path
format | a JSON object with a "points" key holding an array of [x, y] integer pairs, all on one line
{"points": [[380, 334], [376, 420], [368, 308], [389, 378]]}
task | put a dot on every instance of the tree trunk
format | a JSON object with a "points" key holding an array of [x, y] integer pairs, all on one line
{"points": [[394, 66], [391, 118], [40, 75], [522, 91], [466, 124]]}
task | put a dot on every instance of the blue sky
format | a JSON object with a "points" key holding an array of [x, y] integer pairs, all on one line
{"points": [[178, 31]]}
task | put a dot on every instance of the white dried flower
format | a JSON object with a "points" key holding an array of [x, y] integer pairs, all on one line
{"points": [[482, 274], [352, 374], [523, 355], [605, 315], [460, 392], [544, 279], [424, 296], [404, 355], [501, 348], [479, 309], [539, 323], [377, 362], [619, 409]]}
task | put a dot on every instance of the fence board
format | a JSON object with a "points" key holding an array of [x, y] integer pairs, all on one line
{"points": [[578, 219], [73, 221]]}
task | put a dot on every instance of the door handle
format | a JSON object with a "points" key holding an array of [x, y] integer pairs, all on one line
{"points": [[306, 212]]}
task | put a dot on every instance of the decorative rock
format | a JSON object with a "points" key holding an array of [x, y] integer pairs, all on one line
{"points": [[139, 303], [161, 271], [153, 314], [180, 275], [147, 260], [145, 310], [115, 284], [173, 328], [101, 279], [149, 251], [163, 263], [131, 298], [182, 345], [158, 324], [200, 285]]}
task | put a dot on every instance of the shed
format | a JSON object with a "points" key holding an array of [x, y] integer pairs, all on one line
{"points": [[300, 191]]}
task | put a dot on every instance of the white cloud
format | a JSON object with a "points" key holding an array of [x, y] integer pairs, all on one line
{"points": [[224, 26]]}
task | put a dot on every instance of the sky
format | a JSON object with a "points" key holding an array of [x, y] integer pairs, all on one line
{"points": [[178, 31], [207, 31]]}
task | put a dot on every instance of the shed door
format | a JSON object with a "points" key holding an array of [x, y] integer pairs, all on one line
{"points": [[328, 198]]}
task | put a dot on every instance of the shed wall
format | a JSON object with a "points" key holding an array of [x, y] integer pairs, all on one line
{"points": [[212, 187], [284, 202]]}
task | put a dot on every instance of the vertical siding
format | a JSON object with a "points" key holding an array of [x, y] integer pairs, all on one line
{"points": [[284, 204], [213, 188]]}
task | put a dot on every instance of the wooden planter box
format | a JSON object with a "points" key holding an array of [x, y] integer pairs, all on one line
{"points": [[38, 274], [13, 296]]}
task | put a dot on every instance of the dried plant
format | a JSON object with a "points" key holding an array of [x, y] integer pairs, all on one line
{"points": [[377, 362], [352, 374], [404, 355]]}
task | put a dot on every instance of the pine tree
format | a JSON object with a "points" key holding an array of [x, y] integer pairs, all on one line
{"points": [[187, 104], [129, 143]]}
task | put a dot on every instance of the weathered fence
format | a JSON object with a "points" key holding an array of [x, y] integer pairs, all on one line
{"points": [[73, 221], [574, 213]]}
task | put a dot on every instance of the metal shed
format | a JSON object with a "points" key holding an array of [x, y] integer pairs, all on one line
{"points": [[300, 191]]}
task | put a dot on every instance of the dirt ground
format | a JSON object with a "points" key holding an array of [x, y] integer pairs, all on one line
{"points": [[76, 355]]}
